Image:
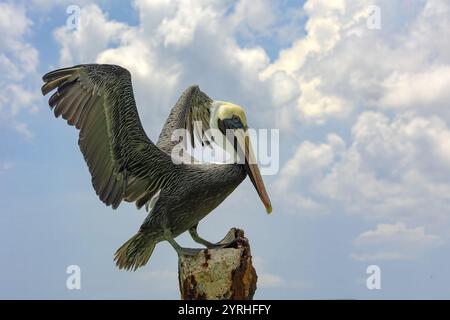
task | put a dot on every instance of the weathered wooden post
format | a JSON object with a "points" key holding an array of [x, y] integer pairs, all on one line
{"points": [[219, 274]]}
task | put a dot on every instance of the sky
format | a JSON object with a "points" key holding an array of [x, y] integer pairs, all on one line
{"points": [[358, 90]]}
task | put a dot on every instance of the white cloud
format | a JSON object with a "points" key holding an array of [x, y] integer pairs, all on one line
{"points": [[265, 278], [315, 102], [426, 89], [93, 33], [322, 34], [384, 91], [309, 160], [393, 167], [11, 15], [269, 280], [178, 29], [18, 65], [314, 105], [393, 164], [22, 128], [324, 75], [394, 242], [305, 170], [341, 65], [253, 17], [5, 166], [395, 170], [176, 44]]}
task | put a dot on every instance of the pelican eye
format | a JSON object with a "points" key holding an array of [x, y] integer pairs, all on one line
{"points": [[236, 118]]}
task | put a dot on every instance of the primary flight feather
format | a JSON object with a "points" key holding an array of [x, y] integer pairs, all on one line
{"points": [[126, 165]]}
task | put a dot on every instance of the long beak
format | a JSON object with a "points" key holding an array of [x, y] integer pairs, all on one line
{"points": [[253, 170]]}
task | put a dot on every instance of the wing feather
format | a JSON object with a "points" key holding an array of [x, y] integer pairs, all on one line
{"points": [[191, 112], [123, 162]]}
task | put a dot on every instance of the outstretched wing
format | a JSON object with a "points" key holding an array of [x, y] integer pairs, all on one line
{"points": [[191, 112], [123, 162]]}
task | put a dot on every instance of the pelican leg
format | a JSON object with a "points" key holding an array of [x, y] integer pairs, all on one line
{"points": [[221, 244], [179, 249]]}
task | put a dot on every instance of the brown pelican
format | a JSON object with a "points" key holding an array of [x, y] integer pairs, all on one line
{"points": [[126, 165]]}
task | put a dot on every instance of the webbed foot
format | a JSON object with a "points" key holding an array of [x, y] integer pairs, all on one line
{"points": [[230, 240]]}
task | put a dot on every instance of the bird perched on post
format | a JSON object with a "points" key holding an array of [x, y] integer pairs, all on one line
{"points": [[126, 165]]}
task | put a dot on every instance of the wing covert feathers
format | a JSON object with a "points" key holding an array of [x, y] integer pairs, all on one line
{"points": [[98, 100]]}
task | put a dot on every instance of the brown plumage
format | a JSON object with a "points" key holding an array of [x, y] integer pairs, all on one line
{"points": [[126, 165]]}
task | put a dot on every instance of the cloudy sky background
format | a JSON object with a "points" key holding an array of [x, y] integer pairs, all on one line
{"points": [[364, 142]]}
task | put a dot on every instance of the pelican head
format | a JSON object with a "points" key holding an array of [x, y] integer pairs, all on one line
{"points": [[231, 121]]}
